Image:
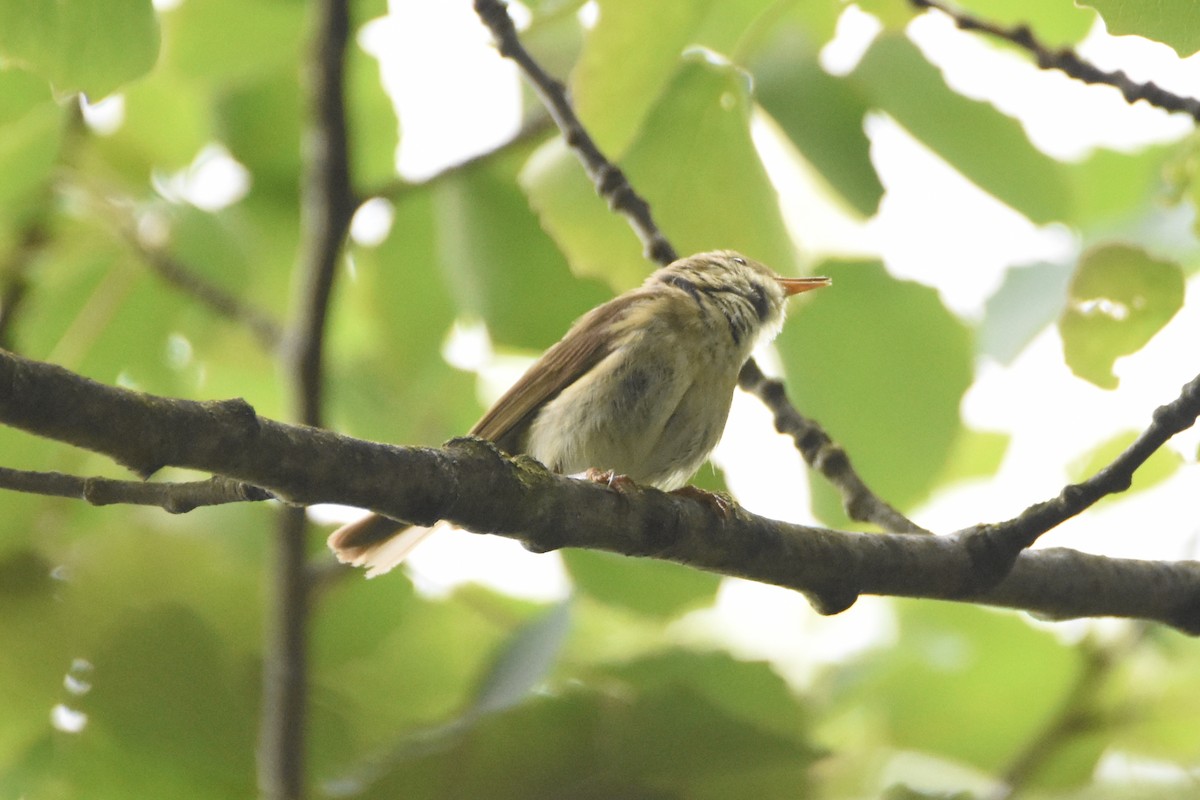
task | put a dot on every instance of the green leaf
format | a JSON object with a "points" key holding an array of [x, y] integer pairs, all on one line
{"points": [[374, 128], [31, 132], [647, 586], [229, 41], [693, 161], [964, 683], [975, 454], [882, 365], [524, 661], [823, 117], [387, 378], [1172, 22], [498, 262], [987, 147], [614, 85], [1029, 299], [1055, 24], [1118, 299], [89, 46]]}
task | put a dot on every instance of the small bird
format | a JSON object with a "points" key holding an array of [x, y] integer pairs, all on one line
{"points": [[639, 386]]}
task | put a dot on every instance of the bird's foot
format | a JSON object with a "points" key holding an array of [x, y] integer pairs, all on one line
{"points": [[718, 501], [614, 481]]}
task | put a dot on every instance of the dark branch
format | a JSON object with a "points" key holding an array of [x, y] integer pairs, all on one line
{"points": [[327, 204], [610, 182], [997, 544], [612, 185], [176, 498], [1067, 61], [473, 485]]}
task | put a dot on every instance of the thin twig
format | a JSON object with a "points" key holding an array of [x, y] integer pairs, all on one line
{"points": [[217, 299], [1065, 60], [824, 455], [610, 182], [327, 205], [996, 545], [613, 186], [175, 498]]}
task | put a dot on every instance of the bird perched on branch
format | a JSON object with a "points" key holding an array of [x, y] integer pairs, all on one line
{"points": [[639, 386]]}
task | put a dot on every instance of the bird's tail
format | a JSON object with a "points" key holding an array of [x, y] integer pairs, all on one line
{"points": [[376, 542]]}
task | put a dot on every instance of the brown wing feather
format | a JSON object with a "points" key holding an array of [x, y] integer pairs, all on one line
{"points": [[587, 343]]}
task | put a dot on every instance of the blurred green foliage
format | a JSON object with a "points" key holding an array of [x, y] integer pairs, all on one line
{"points": [[131, 642]]}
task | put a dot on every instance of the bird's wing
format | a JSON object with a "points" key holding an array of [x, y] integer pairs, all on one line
{"points": [[588, 342]]}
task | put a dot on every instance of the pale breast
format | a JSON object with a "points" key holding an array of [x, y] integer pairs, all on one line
{"points": [[653, 409]]}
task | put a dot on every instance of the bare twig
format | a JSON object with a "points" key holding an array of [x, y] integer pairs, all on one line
{"points": [[614, 187], [176, 498], [1068, 62], [610, 182], [474, 486], [327, 204], [219, 300], [824, 455], [997, 544]]}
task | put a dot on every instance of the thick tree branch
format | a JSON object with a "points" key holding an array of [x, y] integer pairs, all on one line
{"points": [[471, 484], [176, 498], [1068, 62], [613, 186]]}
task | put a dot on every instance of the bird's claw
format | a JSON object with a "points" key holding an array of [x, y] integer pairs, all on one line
{"points": [[612, 480], [718, 501]]}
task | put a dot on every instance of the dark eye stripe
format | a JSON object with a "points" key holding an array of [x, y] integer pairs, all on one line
{"points": [[680, 282]]}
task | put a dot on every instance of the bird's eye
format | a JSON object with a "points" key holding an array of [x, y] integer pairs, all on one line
{"points": [[739, 260]]}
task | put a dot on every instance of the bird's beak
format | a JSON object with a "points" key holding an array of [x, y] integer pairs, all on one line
{"points": [[797, 285]]}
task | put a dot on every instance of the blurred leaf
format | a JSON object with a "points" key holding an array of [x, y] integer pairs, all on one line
{"points": [[1029, 299], [641, 739], [647, 586], [260, 123], [1109, 187], [614, 85], [975, 454], [31, 134], [822, 115], [1119, 298], [229, 41], [164, 687], [1055, 24], [89, 46], [1160, 466], [1168, 21], [695, 163], [387, 378], [882, 365], [374, 128], [499, 264], [167, 122], [524, 661], [987, 147], [963, 683]]}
